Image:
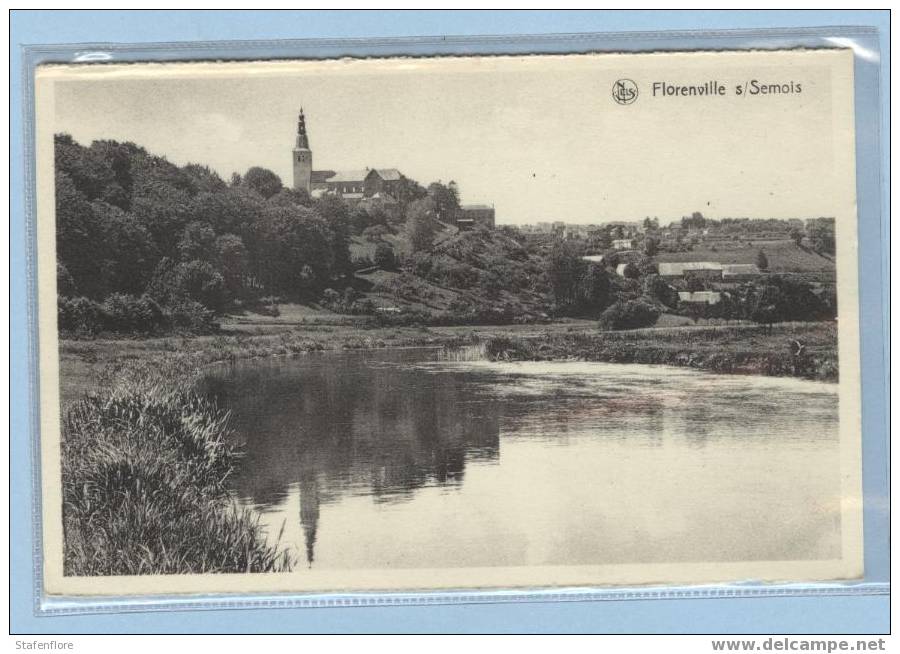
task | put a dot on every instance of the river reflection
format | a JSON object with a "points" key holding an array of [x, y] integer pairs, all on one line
{"points": [[398, 458]]}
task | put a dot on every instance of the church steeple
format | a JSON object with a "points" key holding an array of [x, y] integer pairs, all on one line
{"points": [[302, 139], [302, 157]]}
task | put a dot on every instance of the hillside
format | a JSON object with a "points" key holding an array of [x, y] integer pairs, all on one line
{"points": [[464, 270]]}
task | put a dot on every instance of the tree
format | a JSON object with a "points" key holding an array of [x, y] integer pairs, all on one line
{"points": [[79, 238], [198, 242], [232, 210], [128, 251], [595, 289], [766, 305], [696, 310], [175, 283], [375, 233], [821, 235], [232, 260], [579, 287], [204, 179], [161, 207], [631, 314], [263, 181], [565, 268], [656, 288], [90, 173], [651, 224], [384, 256], [420, 227], [407, 191], [781, 298], [631, 271], [651, 247], [762, 261], [295, 250], [336, 214], [291, 197], [796, 236], [445, 200]]}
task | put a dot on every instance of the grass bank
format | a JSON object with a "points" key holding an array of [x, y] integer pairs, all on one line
{"points": [[807, 350], [144, 470]]}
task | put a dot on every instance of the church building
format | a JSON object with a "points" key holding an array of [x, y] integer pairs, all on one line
{"points": [[368, 184]]}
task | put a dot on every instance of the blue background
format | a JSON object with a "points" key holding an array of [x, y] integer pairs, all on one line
{"points": [[831, 614]]}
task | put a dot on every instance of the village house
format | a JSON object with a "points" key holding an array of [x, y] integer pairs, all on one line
{"points": [[472, 215], [623, 244], [740, 272], [705, 269], [699, 297]]}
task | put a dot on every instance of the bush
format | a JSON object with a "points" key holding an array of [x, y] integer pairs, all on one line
{"points": [[127, 314], [191, 316], [631, 314], [361, 263], [631, 271], [175, 283], [79, 315], [452, 273], [656, 288], [384, 256], [268, 306]]}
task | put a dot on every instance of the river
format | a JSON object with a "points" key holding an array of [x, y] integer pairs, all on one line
{"points": [[406, 458]]}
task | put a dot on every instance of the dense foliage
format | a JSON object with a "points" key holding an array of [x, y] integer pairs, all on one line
{"points": [[145, 244]]}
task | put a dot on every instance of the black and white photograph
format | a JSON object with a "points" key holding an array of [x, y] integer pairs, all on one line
{"points": [[448, 322]]}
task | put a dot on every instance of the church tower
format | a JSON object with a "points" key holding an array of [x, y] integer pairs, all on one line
{"points": [[302, 157]]}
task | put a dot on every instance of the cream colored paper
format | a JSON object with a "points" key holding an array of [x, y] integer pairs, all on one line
{"points": [[797, 151]]}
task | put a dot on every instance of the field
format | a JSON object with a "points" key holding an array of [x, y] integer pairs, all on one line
{"points": [[783, 256]]}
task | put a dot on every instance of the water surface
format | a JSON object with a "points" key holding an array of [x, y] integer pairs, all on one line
{"points": [[398, 458]]}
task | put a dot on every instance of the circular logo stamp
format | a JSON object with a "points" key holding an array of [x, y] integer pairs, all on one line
{"points": [[624, 91]]}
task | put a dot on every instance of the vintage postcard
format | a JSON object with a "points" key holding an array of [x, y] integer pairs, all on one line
{"points": [[451, 322]]}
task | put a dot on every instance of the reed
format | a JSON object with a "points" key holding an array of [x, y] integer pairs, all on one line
{"points": [[144, 470]]}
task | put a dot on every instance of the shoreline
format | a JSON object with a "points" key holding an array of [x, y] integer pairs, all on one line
{"points": [[87, 366], [818, 365]]}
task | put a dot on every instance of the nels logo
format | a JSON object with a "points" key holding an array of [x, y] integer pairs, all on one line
{"points": [[624, 91]]}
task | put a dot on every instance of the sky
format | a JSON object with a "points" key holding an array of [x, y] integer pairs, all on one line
{"points": [[540, 138]]}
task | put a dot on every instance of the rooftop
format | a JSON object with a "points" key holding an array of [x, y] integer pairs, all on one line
{"points": [[388, 174], [686, 266], [349, 176], [710, 297], [740, 269]]}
